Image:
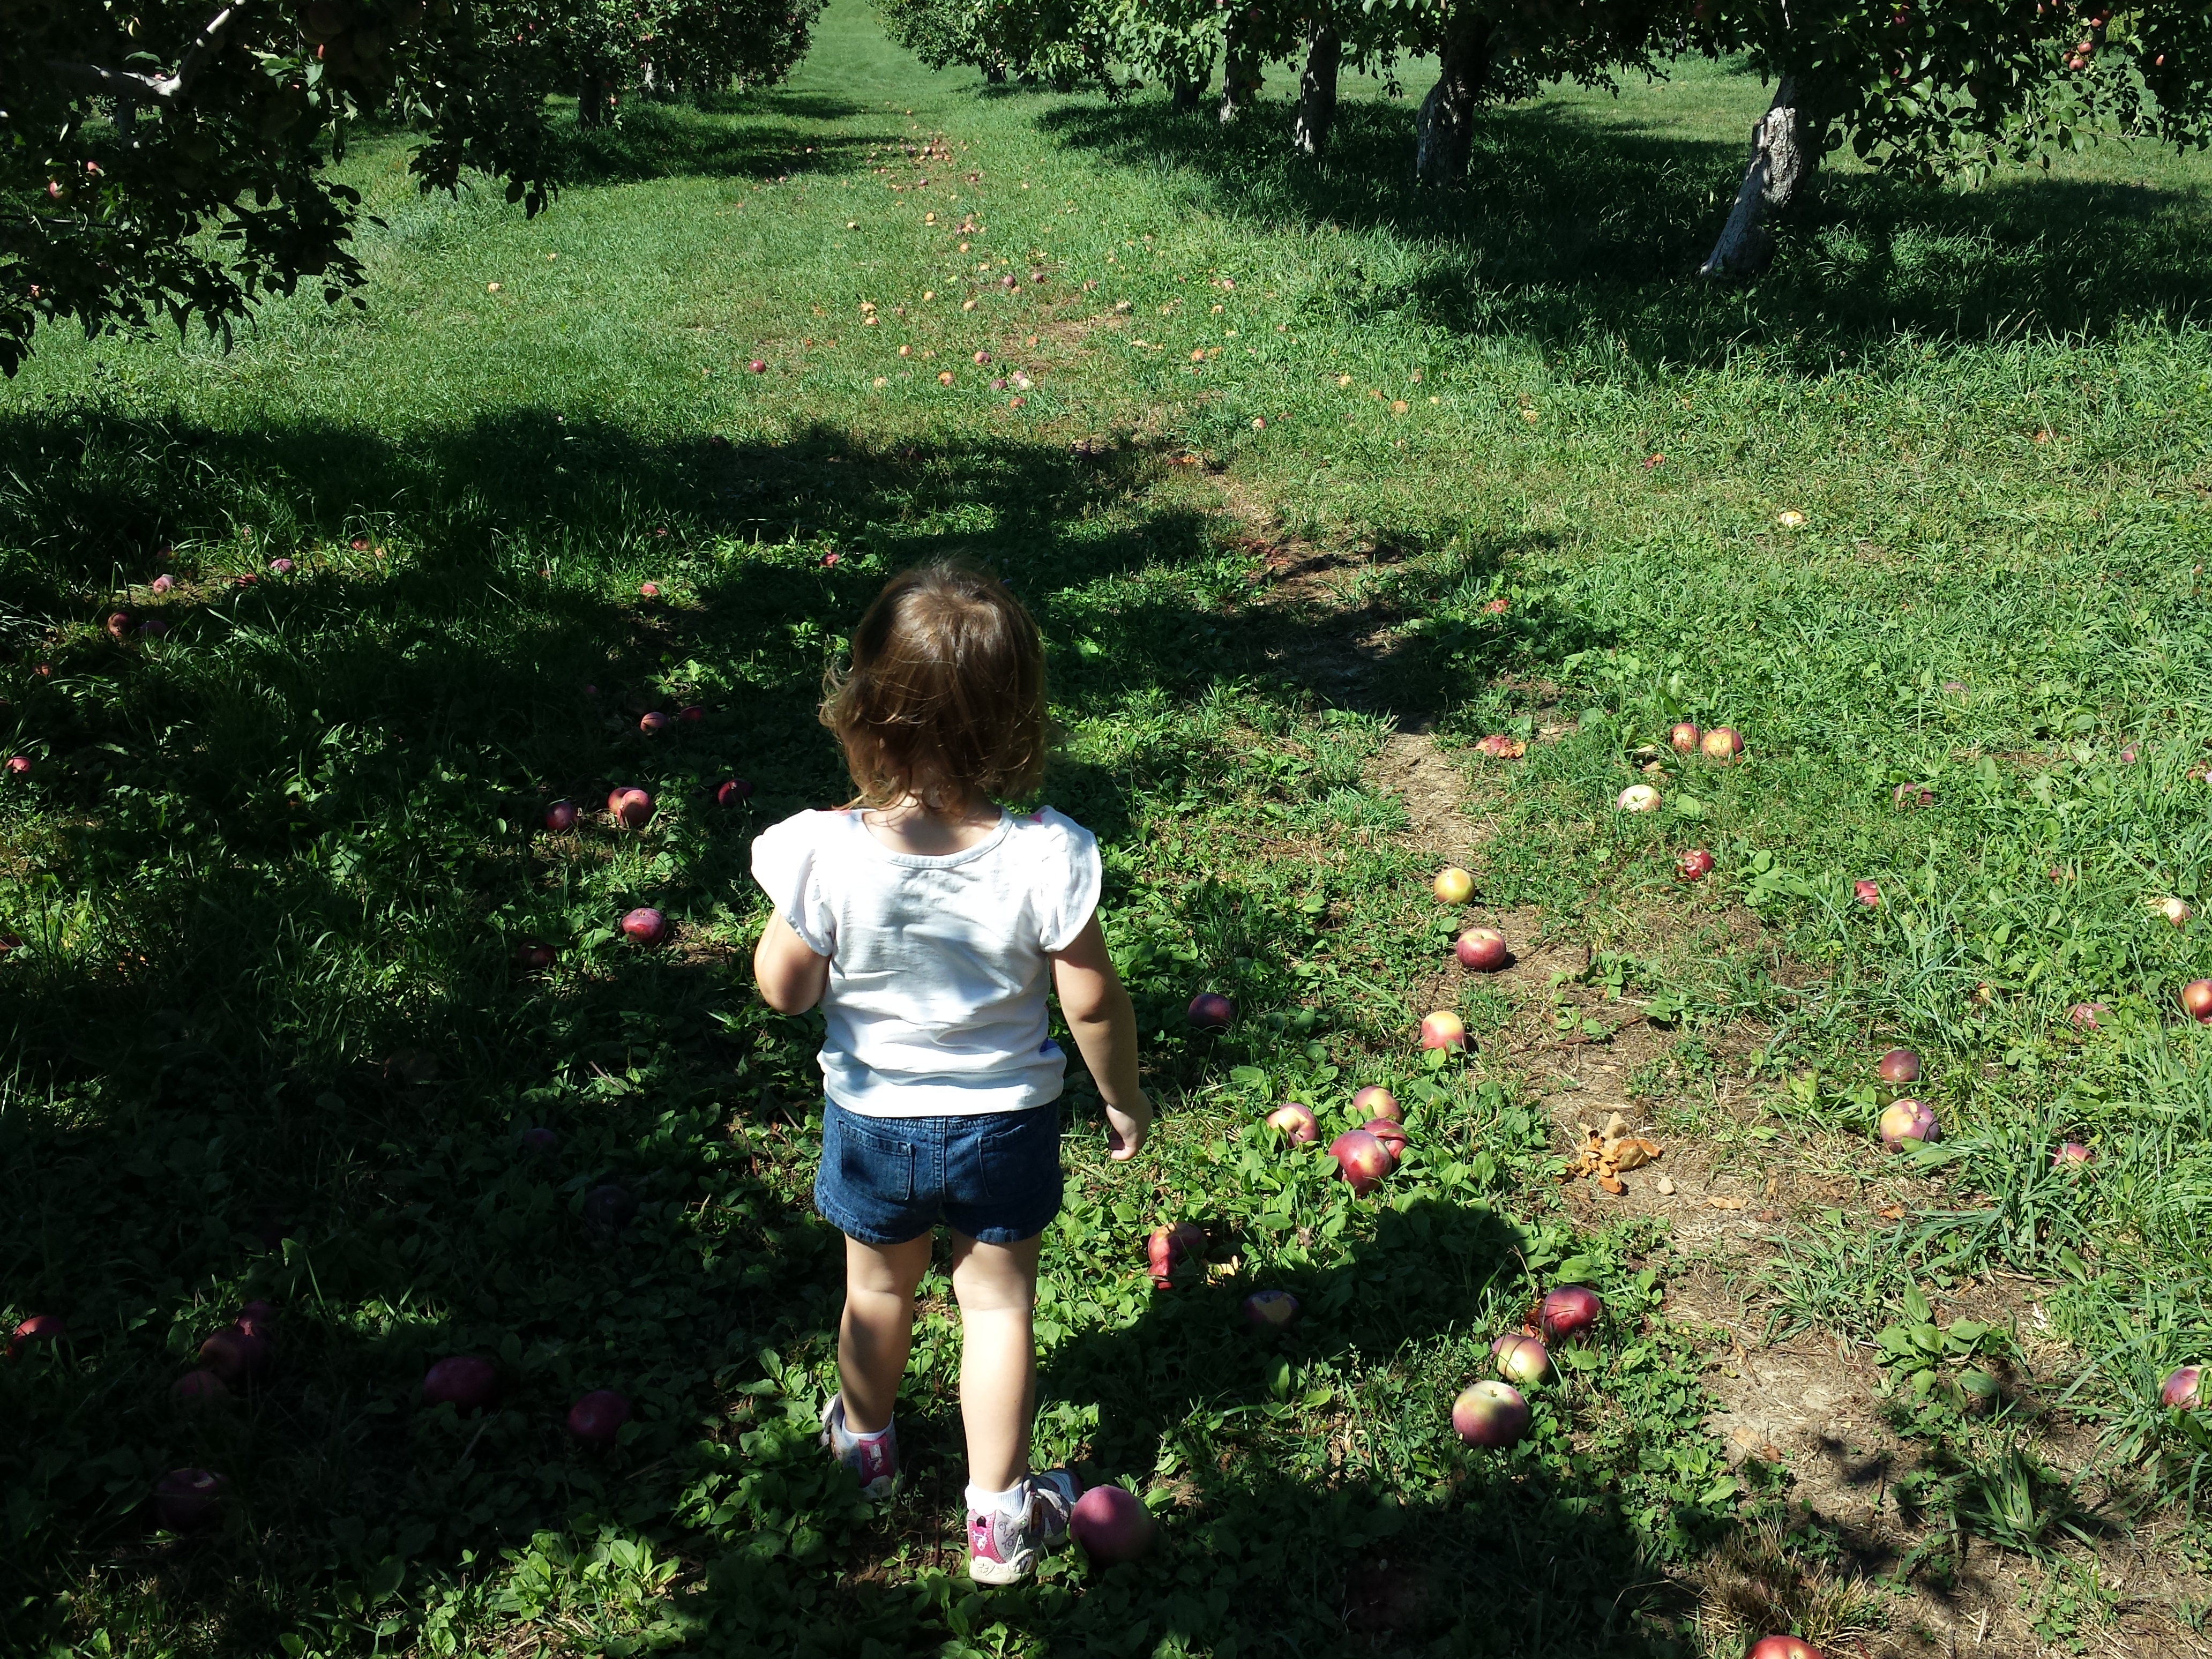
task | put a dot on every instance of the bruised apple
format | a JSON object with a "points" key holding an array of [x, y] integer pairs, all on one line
{"points": [[1695, 865], [1296, 1122], [1907, 1123], [1721, 744], [1168, 1247], [1685, 736]]}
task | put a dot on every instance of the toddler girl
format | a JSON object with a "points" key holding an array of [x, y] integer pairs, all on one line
{"points": [[930, 925]]}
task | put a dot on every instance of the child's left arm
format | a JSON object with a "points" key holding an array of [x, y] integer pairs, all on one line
{"points": [[791, 977]]}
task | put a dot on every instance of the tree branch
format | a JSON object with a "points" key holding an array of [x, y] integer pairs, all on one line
{"points": [[163, 88]]}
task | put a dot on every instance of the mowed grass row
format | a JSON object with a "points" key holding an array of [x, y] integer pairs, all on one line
{"points": [[269, 867]]}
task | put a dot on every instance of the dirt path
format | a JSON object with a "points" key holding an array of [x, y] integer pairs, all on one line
{"points": [[1807, 1407]]}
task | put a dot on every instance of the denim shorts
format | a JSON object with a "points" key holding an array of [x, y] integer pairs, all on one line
{"points": [[995, 1177]]}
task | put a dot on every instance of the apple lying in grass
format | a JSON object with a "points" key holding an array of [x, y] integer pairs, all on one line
{"points": [[186, 1500], [1638, 798], [1868, 893], [1361, 1159], [118, 623], [631, 808], [532, 956], [541, 1142], [598, 1417], [1721, 744], [1376, 1100], [1111, 1524], [238, 1357], [652, 722], [1209, 1010], [733, 792], [1270, 1311], [646, 925], [38, 1327], [2083, 1016], [1783, 1647], [609, 1207], [2196, 1001], [1296, 1122], [1522, 1360], [1492, 1415], [1453, 886], [1899, 1066], [691, 714], [1907, 1123], [2071, 1151], [1481, 949], [1685, 736], [2180, 1391], [462, 1381], [1443, 1030], [1569, 1313], [1168, 1248], [1695, 865], [2176, 911], [1391, 1134], [561, 817], [256, 1319], [19, 766]]}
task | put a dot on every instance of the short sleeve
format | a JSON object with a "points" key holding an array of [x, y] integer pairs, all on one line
{"points": [[787, 863], [1069, 880]]}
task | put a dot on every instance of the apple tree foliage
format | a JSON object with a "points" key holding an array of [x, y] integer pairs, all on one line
{"points": [[167, 159]]}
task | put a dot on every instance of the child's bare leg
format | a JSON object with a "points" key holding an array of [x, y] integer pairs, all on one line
{"points": [[996, 1287], [878, 1328]]}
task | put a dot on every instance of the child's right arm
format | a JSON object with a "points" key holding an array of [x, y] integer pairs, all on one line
{"points": [[1099, 1013]]}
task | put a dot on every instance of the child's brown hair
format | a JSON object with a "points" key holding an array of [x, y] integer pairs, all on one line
{"points": [[945, 693]]}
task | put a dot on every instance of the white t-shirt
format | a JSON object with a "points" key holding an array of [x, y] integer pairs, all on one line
{"points": [[937, 969]]}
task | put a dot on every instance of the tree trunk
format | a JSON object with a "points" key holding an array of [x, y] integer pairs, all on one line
{"points": [[994, 74], [1240, 73], [1445, 126], [590, 100], [1785, 153], [1188, 94], [1317, 92]]}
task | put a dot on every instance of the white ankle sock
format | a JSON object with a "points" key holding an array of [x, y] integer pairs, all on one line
{"points": [[981, 1502], [865, 1439]]}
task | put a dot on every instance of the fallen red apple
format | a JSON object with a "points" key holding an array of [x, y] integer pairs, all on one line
{"points": [[646, 925], [1568, 1314], [1209, 1010], [19, 765], [649, 590], [2175, 910], [1361, 1159], [2083, 1015], [1868, 893], [1297, 1122], [118, 623], [1783, 1647], [199, 1390], [1493, 1415], [1168, 1248], [1391, 1134], [757, 366], [540, 1141], [1899, 1066], [1685, 736], [1522, 1360], [609, 1207], [632, 808], [691, 714], [187, 1499], [1695, 865], [532, 956], [1908, 797], [464, 1381], [652, 722], [560, 818], [1721, 744], [1453, 886], [239, 1358], [152, 629], [257, 1318], [1270, 1310], [733, 792], [2196, 1001], [598, 1417], [2071, 1151], [38, 1327], [1482, 949], [1638, 798], [2180, 1391], [1376, 1100], [1907, 1123], [1443, 1030], [1111, 1524]]}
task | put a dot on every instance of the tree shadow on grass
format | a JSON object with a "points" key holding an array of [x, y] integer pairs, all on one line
{"points": [[268, 1036], [1585, 232], [671, 140]]}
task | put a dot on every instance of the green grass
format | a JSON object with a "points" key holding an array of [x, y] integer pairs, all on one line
{"points": [[269, 869]]}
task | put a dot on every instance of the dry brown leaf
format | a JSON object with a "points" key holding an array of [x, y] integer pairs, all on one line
{"points": [[1612, 1184], [1726, 1203], [1632, 1154], [1617, 1128], [1894, 1213]]}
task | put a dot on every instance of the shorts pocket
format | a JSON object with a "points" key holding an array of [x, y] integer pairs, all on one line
{"points": [[1019, 1158], [869, 1164]]}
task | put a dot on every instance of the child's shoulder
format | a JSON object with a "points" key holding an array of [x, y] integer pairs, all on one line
{"points": [[1051, 833], [802, 832]]}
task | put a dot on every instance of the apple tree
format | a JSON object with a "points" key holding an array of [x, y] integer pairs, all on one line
{"points": [[169, 159], [1948, 88]]}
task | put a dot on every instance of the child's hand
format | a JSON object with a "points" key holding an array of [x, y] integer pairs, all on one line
{"points": [[1126, 1128]]}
